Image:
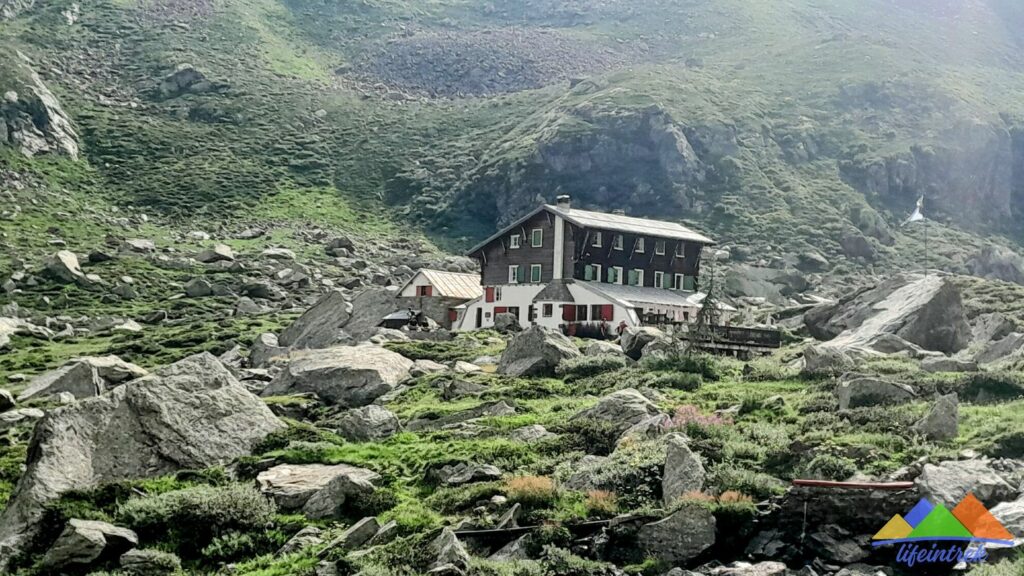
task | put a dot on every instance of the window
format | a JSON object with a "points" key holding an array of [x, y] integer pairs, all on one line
{"points": [[537, 237], [680, 250], [659, 280], [659, 247], [514, 310], [549, 309], [636, 277], [424, 290], [639, 245], [513, 274], [535, 273], [513, 241], [595, 312], [615, 275], [581, 313], [617, 242], [677, 283], [597, 240], [497, 293]]}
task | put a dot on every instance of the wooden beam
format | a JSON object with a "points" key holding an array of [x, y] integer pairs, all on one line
{"points": [[854, 485]]}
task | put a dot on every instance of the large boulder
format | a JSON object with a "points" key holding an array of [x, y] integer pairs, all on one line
{"points": [[320, 326], [448, 554], [506, 323], [948, 482], [84, 542], [827, 361], [536, 352], [683, 470], [16, 326], [83, 377], [64, 267], [369, 307], [945, 364], [680, 537], [190, 415], [860, 392], [264, 348], [348, 376], [218, 253], [623, 408], [925, 310], [293, 486], [1007, 349], [1011, 516], [942, 421], [634, 339], [367, 423]]}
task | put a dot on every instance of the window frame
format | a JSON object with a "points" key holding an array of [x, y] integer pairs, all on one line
{"points": [[640, 245], [678, 280], [639, 277], [533, 238], [497, 293], [547, 310], [680, 249], [513, 273], [596, 242], [539, 268], [617, 242], [514, 241], [659, 279], [598, 271], [659, 247], [618, 275]]}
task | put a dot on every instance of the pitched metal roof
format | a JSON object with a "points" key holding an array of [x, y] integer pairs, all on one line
{"points": [[451, 284], [604, 221], [629, 224], [635, 296]]}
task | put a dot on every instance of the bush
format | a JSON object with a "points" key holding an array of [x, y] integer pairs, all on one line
{"points": [[589, 435], [688, 416], [728, 478], [991, 387], [560, 562], [193, 517], [686, 381], [545, 536], [531, 492], [601, 504], [162, 562], [586, 366], [703, 364], [829, 467]]}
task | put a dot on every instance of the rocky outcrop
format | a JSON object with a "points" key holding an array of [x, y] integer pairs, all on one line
{"points": [[84, 542], [991, 482], [184, 79], [860, 392], [679, 537], [942, 420], [316, 489], [926, 311], [367, 423], [83, 378], [623, 409], [322, 325], [11, 8], [634, 339], [997, 263], [536, 352], [31, 118], [16, 326], [63, 267], [683, 470], [192, 414], [347, 376], [265, 348]]}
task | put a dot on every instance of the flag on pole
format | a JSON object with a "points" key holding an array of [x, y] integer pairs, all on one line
{"points": [[918, 214]]}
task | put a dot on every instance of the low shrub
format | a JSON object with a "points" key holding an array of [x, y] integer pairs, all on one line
{"points": [[990, 387], [193, 517], [574, 369], [547, 535], [561, 562], [685, 381], [452, 500], [727, 478], [531, 492], [589, 435], [601, 504], [688, 416], [704, 364], [829, 467]]}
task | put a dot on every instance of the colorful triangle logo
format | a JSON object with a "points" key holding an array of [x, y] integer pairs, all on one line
{"points": [[896, 529], [979, 521], [940, 523]]}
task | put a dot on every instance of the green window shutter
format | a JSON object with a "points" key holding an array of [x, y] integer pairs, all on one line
{"points": [[666, 281], [535, 272], [588, 272], [520, 274], [689, 283], [632, 277]]}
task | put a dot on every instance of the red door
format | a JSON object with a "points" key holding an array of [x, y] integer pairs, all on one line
{"points": [[489, 294], [607, 312], [500, 310], [568, 312]]}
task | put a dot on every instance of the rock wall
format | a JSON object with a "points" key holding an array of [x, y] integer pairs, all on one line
{"points": [[11, 8], [31, 118], [973, 177]]}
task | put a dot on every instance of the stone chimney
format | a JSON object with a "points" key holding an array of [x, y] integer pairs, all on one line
{"points": [[564, 202]]}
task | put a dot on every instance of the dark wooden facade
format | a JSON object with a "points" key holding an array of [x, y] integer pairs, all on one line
{"points": [[498, 255], [579, 252]]}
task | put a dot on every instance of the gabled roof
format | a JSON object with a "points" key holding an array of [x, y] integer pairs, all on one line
{"points": [[555, 291], [609, 222], [636, 296], [450, 284]]}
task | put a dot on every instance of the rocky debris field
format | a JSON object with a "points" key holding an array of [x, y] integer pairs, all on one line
{"points": [[487, 62], [327, 446]]}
